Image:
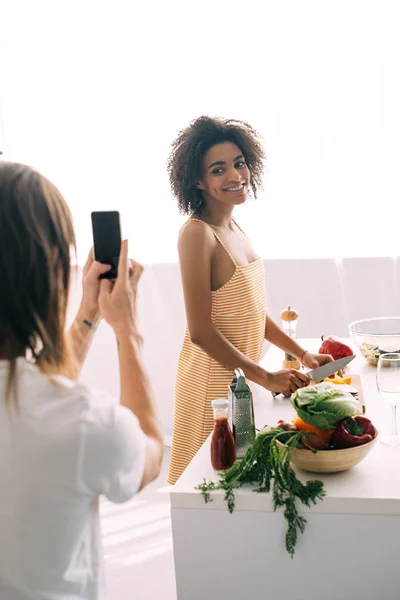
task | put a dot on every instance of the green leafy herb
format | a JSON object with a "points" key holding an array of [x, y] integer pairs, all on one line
{"points": [[267, 467]]}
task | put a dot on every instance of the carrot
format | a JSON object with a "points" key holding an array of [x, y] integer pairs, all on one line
{"points": [[303, 426]]}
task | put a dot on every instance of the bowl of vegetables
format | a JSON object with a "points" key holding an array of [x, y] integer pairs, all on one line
{"points": [[376, 336], [337, 436]]}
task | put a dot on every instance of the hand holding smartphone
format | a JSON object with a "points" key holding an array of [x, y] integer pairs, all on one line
{"points": [[107, 240]]}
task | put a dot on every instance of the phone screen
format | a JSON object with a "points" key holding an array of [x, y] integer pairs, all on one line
{"points": [[107, 240]]}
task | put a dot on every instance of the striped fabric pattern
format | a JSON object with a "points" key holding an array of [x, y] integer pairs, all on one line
{"points": [[238, 311]]}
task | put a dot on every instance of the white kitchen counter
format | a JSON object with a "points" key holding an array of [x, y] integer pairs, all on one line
{"points": [[356, 525]]}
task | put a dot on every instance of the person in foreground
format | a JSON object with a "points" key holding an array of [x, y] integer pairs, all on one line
{"points": [[62, 445], [213, 166]]}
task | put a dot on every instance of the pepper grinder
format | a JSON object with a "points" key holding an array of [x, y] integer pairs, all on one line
{"points": [[289, 318]]}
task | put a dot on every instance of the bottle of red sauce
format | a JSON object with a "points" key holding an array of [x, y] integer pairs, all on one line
{"points": [[223, 451]]}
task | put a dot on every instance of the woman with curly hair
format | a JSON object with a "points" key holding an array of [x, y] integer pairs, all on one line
{"points": [[213, 167]]}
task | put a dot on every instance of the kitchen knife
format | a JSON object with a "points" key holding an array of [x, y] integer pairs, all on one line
{"points": [[330, 368]]}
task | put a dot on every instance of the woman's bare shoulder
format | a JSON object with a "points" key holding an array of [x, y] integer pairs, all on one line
{"points": [[196, 236]]}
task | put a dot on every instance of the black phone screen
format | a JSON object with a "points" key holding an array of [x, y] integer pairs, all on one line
{"points": [[107, 240]]}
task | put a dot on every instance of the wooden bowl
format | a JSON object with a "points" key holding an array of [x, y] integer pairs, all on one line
{"points": [[329, 461]]}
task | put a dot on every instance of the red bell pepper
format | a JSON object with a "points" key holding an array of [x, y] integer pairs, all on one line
{"points": [[353, 431]]}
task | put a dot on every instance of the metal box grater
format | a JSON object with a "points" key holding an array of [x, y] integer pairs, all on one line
{"points": [[242, 413]]}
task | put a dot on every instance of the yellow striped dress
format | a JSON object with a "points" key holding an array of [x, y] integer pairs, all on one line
{"points": [[238, 311]]}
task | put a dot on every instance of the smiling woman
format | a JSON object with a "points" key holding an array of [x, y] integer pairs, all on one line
{"points": [[213, 167], [231, 171], [238, 146]]}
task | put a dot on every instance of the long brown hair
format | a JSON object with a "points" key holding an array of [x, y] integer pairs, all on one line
{"points": [[36, 238]]}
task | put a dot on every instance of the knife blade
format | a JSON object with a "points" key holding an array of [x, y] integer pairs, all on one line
{"points": [[317, 375], [330, 368]]}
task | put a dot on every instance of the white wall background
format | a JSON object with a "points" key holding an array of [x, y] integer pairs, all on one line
{"points": [[94, 91]]}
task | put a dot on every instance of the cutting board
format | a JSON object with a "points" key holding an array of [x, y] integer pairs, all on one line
{"points": [[356, 382]]}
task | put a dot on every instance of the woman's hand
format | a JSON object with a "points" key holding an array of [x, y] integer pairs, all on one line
{"points": [[313, 361], [91, 287], [117, 298], [286, 381]]}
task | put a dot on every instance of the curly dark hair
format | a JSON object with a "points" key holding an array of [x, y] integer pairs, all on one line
{"points": [[185, 163]]}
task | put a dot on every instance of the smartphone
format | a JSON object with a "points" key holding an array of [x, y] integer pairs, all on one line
{"points": [[107, 240]]}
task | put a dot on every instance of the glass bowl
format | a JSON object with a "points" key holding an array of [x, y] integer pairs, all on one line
{"points": [[376, 336]]}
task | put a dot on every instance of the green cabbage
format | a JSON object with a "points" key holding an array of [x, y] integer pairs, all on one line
{"points": [[323, 405]]}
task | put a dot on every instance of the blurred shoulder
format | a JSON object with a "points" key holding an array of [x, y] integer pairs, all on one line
{"points": [[195, 236]]}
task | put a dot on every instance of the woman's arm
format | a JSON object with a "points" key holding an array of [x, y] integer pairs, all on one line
{"points": [[276, 336], [80, 335]]}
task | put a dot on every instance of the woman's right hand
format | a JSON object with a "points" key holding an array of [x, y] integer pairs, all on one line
{"points": [[117, 298], [286, 381]]}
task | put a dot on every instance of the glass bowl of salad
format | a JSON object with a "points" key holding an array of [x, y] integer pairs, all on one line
{"points": [[376, 336]]}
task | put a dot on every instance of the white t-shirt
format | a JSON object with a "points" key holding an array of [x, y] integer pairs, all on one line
{"points": [[68, 445]]}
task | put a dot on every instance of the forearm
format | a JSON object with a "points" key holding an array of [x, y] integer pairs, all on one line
{"points": [[276, 336], [216, 345], [80, 336], [136, 391]]}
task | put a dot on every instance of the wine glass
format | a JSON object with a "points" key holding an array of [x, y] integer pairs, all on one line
{"points": [[388, 384]]}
